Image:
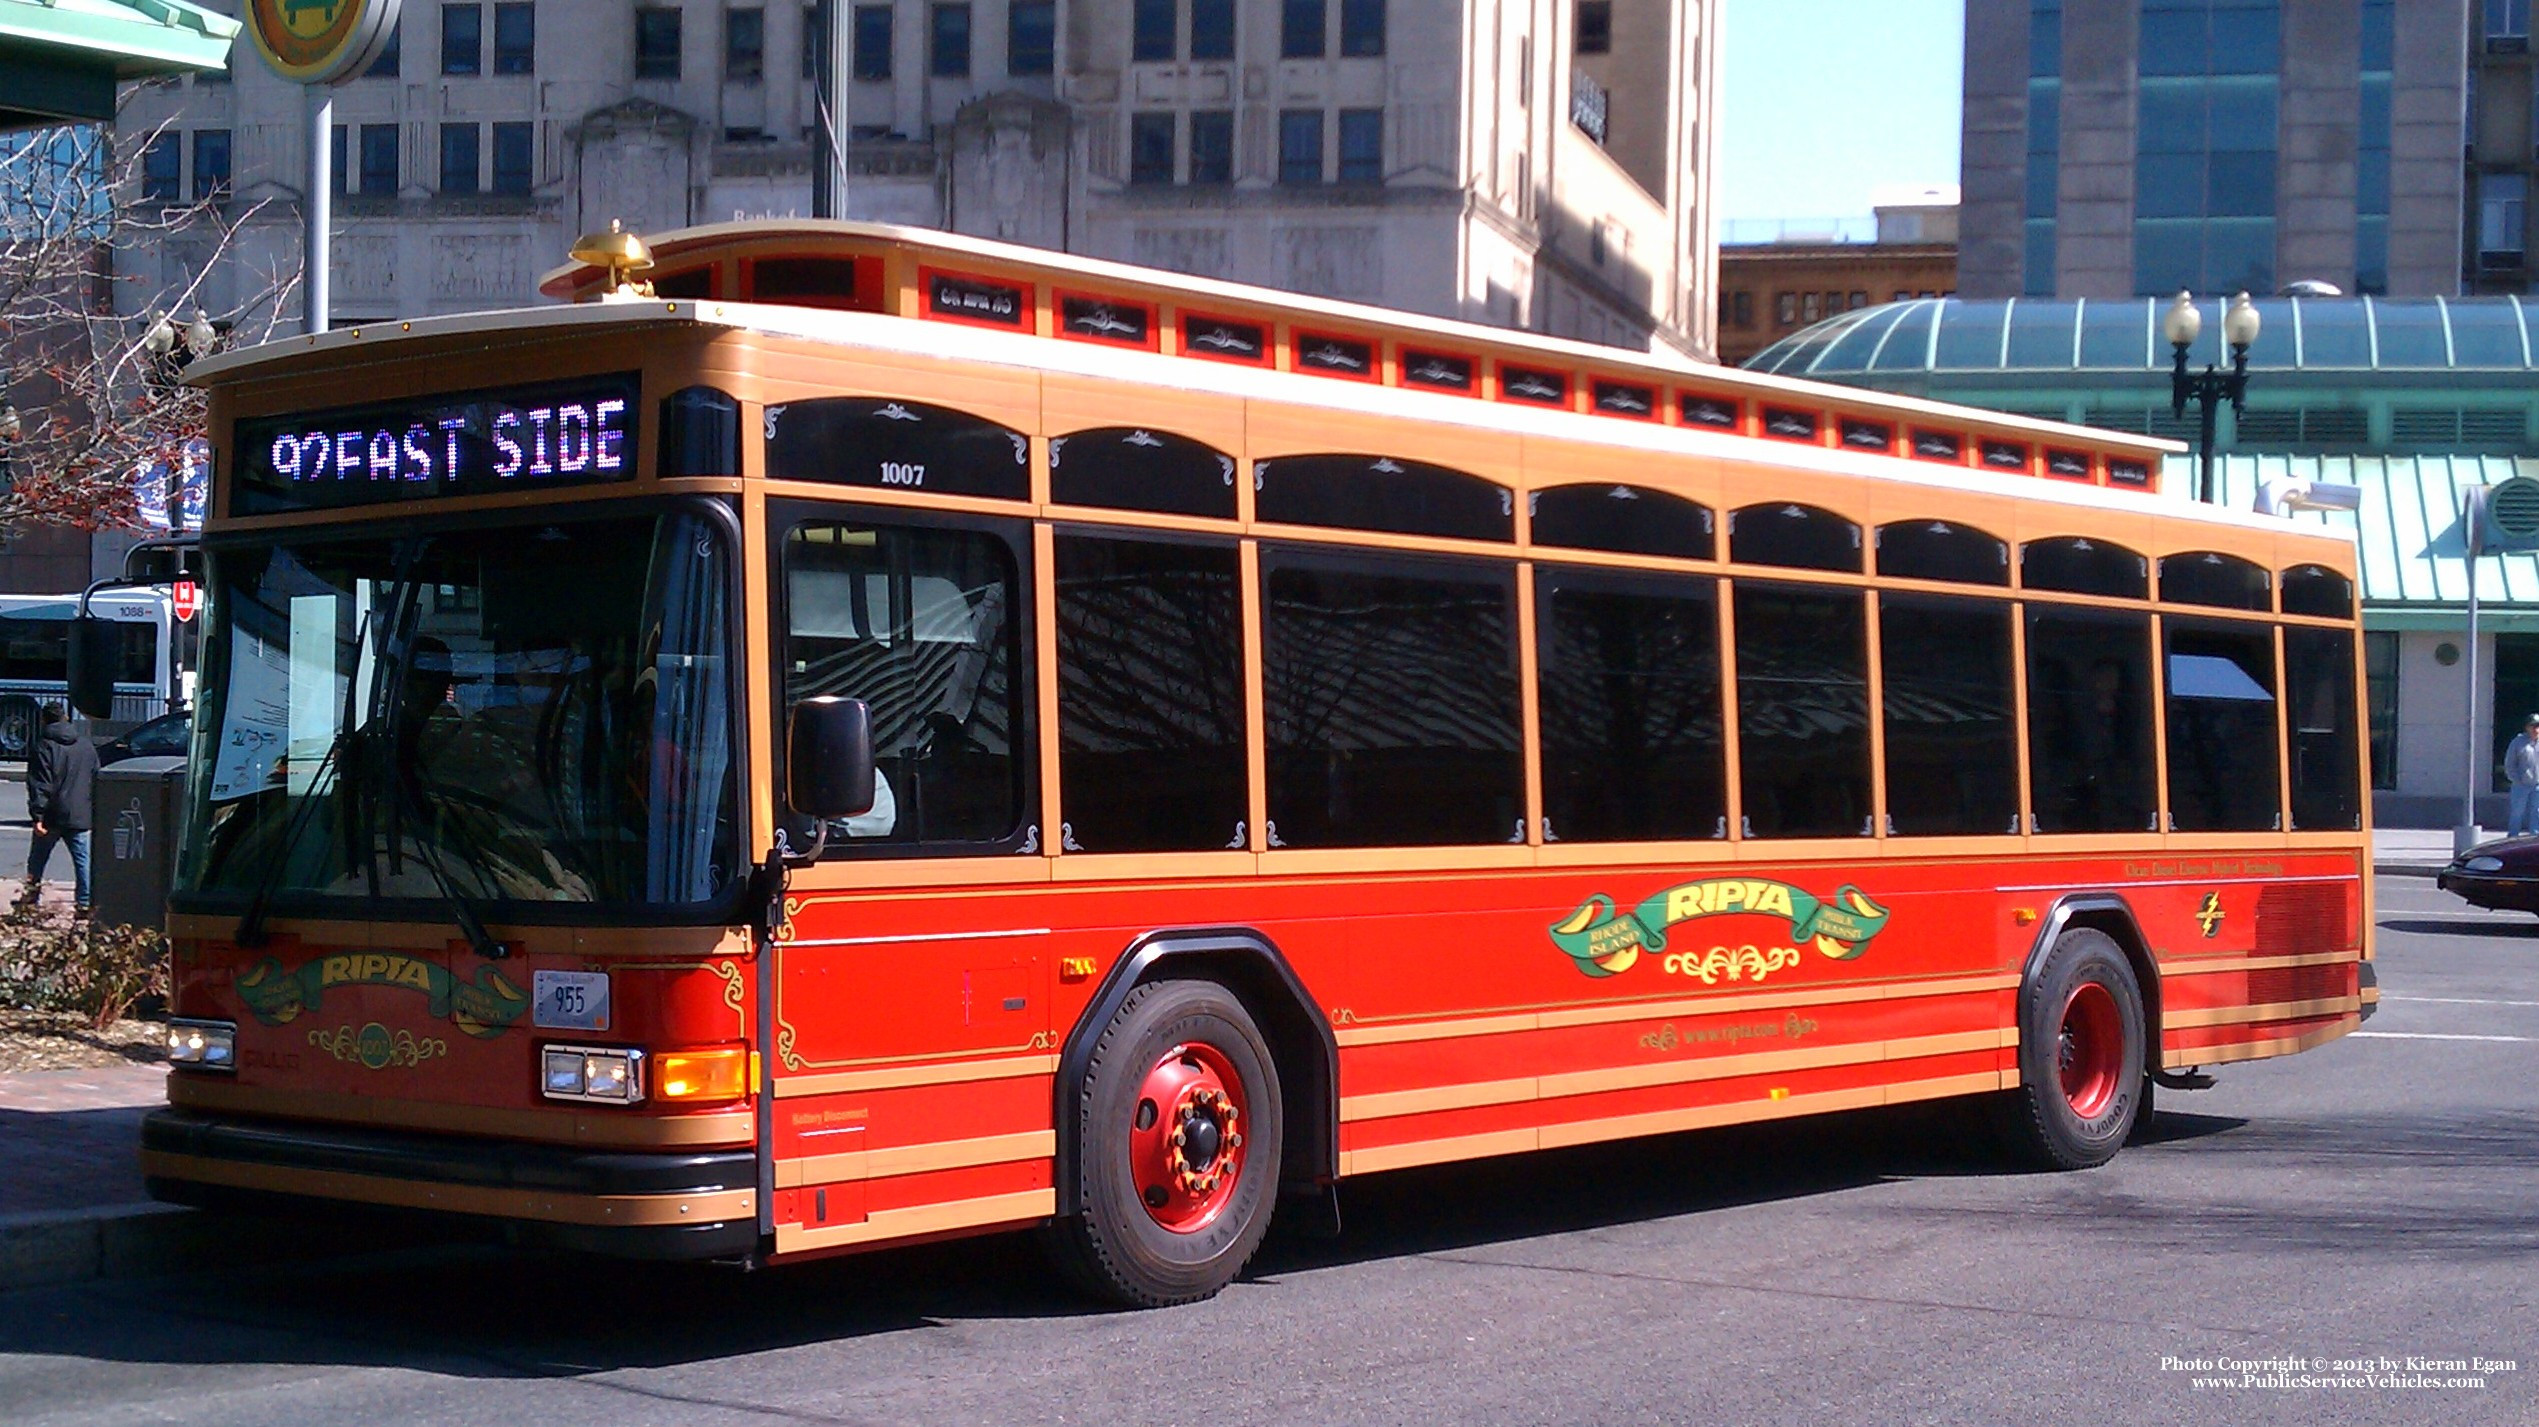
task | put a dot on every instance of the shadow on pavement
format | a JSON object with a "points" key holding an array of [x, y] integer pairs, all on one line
{"points": [[2462, 926]]}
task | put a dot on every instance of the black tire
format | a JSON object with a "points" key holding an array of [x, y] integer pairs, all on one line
{"points": [[20, 726], [1114, 1248], [2062, 1018]]}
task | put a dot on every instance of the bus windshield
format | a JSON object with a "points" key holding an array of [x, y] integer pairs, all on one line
{"points": [[523, 713]]}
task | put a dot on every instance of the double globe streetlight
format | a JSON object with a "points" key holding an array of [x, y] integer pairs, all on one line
{"points": [[2183, 324]]}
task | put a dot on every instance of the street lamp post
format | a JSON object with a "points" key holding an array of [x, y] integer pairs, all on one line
{"points": [[2212, 386]]}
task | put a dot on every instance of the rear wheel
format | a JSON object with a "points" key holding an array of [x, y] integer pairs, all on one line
{"points": [[2081, 1055], [1177, 1169]]}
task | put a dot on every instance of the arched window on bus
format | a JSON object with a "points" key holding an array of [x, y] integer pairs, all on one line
{"points": [[1800, 537], [2216, 581], [1948, 692], [2221, 723], [1135, 468], [1382, 493], [1629, 698], [1628, 520], [1942, 550], [2318, 686], [1390, 703], [1802, 710], [884, 444], [2090, 763], [2078, 565], [1150, 693], [2317, 590]]}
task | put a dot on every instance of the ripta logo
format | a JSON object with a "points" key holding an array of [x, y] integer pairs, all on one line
{"points": [[1605, 942], [2209, 915], [482, 1006]]}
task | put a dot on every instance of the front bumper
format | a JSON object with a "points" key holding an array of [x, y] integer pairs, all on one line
{"points": [[652, 1206], [2489, 890]]}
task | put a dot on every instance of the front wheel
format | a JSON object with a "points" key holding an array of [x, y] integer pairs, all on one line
{"points": [[2081, 1055], [1179, 1123]]}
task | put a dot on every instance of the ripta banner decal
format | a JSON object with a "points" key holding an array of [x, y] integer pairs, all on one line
{"points": [[1604, 942], [482, 1007]]}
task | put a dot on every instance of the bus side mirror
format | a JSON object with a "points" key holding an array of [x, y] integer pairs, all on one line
{"points": [[95, 650], [829, 758]]}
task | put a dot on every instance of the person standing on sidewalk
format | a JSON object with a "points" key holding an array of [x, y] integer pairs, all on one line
{"points": [[2521, 771], [61, 790]]}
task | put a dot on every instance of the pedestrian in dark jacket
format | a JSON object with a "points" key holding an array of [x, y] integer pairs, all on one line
{"points": [[61, 790]]}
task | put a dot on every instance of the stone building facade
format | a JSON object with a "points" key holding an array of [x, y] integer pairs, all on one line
{"points": [[1536, 163]]}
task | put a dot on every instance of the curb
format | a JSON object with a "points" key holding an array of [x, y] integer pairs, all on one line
{"points": [[2407, 869], [63, 1246]]}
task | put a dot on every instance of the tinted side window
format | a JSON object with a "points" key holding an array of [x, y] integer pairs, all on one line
{"points": [[1799, 536], [1392, 705], [1938, 550], [2221, 721], [2318, 590], [1633, 520], [925, 625], [1630, 708], [1952, 743], [1381, 493], [2090, 760], [896, 445], [2220, 581], [2318, 678], [1126, 468], [1150, 695], [2084, 567], [1802, 710]]}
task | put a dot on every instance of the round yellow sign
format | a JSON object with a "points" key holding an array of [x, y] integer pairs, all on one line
{"points": [[321, 41]]}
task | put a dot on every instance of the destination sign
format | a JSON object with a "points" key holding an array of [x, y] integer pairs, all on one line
{"points": [[464, 443]]}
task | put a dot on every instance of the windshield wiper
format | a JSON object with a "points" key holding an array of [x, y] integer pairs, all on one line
{"points": [[251, 932]]}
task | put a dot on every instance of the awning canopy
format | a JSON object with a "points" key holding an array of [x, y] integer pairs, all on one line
{"points": [[61, 59], [2411, 550]]}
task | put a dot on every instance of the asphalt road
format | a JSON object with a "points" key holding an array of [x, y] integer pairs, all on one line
{"points": [[2370, 1199]]}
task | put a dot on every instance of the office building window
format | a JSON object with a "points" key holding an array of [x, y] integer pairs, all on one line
{"points": [[462, 39], [1785, 309], [337, 160], [513, 150], [1741, 309], [1595, 27], [1150, 148], [1151, 25], [379, 160], [390, 57], [1212, 29], [1031, 37], [2507, 26], [744, 46], [872, 42], [1362, 146], [656, 43], [163, 169], [458, 158], [1301, 28], [951, 42], [1300, 146], [1212, 146], [2206, 148], [211, 165], [1361, 28], [2503, 200], [516, 39]]}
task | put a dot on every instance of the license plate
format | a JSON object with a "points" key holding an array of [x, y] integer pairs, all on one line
{"points": [[569, 1000]]}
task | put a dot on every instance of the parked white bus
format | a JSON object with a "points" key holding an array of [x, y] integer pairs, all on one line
{"points": [[35, 657]]}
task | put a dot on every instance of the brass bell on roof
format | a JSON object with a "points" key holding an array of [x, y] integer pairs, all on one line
{"points": [[621, 254]]}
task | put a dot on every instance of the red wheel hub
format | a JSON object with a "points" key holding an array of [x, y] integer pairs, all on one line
{"points": [[1185, 1144], [2089, 1050]]}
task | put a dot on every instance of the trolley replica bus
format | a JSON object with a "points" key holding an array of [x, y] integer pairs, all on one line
{"points": [[876, 735]]}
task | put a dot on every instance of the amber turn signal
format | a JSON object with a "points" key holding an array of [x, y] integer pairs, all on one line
{"points": [[716, 1073]]}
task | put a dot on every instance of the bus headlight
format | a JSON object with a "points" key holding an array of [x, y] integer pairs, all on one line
{"points": [[203, 1045], [611, 1075]]}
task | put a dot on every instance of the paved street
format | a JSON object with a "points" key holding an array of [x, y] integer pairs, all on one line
{"points": [[2371, 1199]]}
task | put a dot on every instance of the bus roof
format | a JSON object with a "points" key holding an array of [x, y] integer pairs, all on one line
{"points": [[944, 278]]}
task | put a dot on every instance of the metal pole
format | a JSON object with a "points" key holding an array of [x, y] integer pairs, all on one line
{"points": [[2211, 399], [317, 208], [830, 46], [2466, 835]]}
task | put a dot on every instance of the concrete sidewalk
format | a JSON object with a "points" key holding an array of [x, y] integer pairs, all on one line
{"points": [[71, 1201], [2413, 851]]}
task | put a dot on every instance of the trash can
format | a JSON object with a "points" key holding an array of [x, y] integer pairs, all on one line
{"points": [[132, 848]]}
